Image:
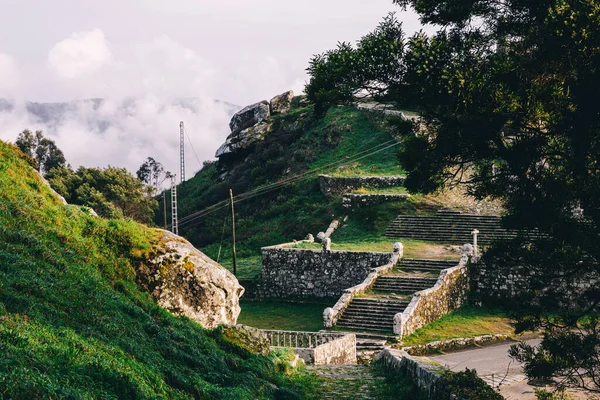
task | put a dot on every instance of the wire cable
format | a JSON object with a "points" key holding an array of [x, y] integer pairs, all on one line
{"points": [[188, 220]]}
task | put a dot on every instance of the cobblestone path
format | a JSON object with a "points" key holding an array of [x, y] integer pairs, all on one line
{"points": [[349, 382]]}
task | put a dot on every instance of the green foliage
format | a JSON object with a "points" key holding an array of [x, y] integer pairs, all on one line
{"points": [[73, 323], [42, 152], [112, 192], [372, 69], [467, 385]]}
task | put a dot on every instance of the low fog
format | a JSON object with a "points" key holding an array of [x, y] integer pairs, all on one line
{"points": [[153, 64]]}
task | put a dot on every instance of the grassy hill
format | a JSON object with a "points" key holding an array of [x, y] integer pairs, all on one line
{"points": [[299, 144], [73, 323]]}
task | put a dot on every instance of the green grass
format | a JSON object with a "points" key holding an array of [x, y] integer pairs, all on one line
{"points": [[74, 324], [465, 322], [280, 315]]}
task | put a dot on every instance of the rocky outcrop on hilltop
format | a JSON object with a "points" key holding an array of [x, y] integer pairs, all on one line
{"points": [[185, 281], [252, 124]]}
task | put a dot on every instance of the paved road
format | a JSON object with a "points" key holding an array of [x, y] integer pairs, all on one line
{"points": [[491, 362]]}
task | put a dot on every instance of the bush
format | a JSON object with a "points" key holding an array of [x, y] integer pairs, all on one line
{"points": [[467, 385]]}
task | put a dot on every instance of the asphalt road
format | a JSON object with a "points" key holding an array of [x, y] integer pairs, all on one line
{"points": [[492, 363]]}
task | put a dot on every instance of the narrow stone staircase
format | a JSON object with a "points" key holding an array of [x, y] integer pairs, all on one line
{"points": [[449, 227], [371, 314], [414, 264], [400, 284], [391, 293]]}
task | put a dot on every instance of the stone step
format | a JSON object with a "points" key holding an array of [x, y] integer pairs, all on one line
{"points": [[372, 311], [368, 325], [367, 320], [368, 328]]}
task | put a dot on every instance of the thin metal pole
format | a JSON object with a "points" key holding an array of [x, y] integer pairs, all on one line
{"points": [[165, 207], [233, 232]]}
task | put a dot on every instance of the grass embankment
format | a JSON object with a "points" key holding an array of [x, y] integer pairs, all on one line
{"points": [[73, 323], [282, 315], [466, 322]]}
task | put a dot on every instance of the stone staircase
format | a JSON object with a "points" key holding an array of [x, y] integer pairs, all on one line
{"points": [[390, 295], [449, 227], [414, 264], [371, 314], [400, 284]]}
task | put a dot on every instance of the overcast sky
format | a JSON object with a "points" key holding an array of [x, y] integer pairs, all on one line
{"points": [[239, 51]]}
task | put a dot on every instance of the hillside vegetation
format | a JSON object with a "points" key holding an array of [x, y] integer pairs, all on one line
{"points": [[73, 323], [299, 143]]}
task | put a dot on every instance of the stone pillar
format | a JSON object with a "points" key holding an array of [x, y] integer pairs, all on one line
{"points": [[320, 236], [326, 244], [398, 249], [475, 249]]}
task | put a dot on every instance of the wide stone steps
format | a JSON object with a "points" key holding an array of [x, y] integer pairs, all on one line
{"points": [[449, 227], [401, 284], [368, 314], [426, 265]]}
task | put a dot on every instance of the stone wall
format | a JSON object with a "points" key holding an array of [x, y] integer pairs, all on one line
{"points": [[332, 185], [355, 201], [449, 293], [300, 273], [491, 284], [339, 351], [427, 375]]}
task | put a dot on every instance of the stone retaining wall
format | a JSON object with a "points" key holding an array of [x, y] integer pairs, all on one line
{"points": [[424, 372], [492, 284], [453, 344], [300, 273], [352, 201], [332, 185], [449, 293]]}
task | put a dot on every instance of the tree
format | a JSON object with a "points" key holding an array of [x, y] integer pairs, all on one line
{"points": [[43, 151], [373, 69], [112, 192], [508, 97], [508, 93], [151, 172]]}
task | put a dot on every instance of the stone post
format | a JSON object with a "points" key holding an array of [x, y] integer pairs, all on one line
{"points": [[475, 249], [320, 236], [398, 249], [326, 244]]}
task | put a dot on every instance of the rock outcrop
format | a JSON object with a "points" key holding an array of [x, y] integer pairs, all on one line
{"points": [[282, 103], [244, 139], [252, 124], [186, 282], [249, 116]]}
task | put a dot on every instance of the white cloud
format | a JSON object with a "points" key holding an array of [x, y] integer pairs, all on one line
{"points": [[80, 54], [9, 74]]}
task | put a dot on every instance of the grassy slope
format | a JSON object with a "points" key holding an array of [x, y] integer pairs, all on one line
{"points": [[73, 323], [298, 144]]}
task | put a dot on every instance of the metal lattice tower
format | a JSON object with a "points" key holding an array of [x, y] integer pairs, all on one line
{"points": [[182, 150], [174, 219]]}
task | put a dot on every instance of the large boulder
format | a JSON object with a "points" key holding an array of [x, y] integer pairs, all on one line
{"points": [[282, 103], [249, 116], [244, 139], [186, 282]]}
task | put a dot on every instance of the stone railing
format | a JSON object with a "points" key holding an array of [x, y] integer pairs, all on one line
{"points": [[332, 314], [449, 293], [427, 375], [317, 347]]}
